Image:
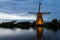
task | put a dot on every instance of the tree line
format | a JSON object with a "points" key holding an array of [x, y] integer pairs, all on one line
{"points": [[26, 25]]}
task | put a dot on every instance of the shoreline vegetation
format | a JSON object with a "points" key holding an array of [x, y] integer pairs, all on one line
{"points": [[54, 24]]}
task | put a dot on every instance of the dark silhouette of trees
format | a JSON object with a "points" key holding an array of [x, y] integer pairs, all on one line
{"points": [[54, 24], [54, 21], [13, 24]]}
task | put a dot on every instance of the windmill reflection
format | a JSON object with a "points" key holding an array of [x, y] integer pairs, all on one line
{"points": [[39, 32]]}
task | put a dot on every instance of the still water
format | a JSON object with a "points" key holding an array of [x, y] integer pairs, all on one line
{"points": [[28, 34]]}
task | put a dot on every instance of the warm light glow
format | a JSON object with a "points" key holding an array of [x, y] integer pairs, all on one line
{"points": [[39, 32], [39, 29], [39, 19], [40, 22]]}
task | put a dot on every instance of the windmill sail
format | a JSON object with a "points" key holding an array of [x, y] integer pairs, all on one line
{"points": [[39, 10], [39, 7]]}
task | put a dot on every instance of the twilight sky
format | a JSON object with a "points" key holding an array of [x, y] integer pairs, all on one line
{"points": [[18, 9]]}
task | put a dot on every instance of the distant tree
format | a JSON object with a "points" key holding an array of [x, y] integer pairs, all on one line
{"points": [[13, 21], [59, 21], [54, 21]]}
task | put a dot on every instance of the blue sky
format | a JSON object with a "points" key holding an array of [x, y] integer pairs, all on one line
{"points": [[18, 9]]}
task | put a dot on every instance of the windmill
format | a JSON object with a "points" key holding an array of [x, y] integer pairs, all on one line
{"points": [[39, 19]]}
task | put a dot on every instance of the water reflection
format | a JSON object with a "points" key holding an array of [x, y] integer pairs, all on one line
{"points": [[19, 34], [39, 32]]}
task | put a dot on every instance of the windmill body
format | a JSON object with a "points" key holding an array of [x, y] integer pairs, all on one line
{"points": [[39, 20]]}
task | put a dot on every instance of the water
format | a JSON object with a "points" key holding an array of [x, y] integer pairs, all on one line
{"points": [[19, 34]]}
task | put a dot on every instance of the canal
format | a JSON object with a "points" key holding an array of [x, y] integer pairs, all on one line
{"points": [[28, 34]]}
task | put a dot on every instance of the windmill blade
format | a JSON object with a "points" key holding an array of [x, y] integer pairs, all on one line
{"points": [[32, 13], [40, 12], [46, 13]]}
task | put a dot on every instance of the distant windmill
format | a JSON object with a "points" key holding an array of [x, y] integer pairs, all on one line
{"points": [[39, 20]]}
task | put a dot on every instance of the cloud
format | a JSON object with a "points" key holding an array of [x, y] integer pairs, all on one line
{"points": [[5, 0], [15, 17], [13, 9], [16, 6], [21, 0]]}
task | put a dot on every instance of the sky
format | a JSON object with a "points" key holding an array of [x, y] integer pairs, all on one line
{"points": [[19, 9]]}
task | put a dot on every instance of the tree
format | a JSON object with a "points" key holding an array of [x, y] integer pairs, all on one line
{"points": [[54, 21]]}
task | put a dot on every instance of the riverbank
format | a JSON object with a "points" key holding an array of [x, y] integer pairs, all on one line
{"points": [[54, 24]]}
